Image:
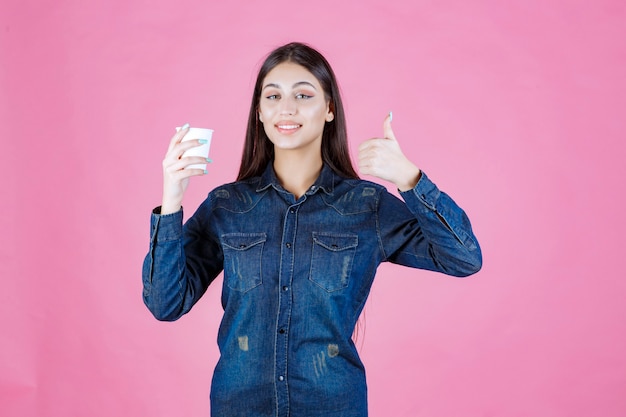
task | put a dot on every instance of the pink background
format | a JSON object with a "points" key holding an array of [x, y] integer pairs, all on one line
{"points": [[517, 109]]}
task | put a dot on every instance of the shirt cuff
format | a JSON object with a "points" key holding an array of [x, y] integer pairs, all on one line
{"points": [[425, 193], [167, 226]]}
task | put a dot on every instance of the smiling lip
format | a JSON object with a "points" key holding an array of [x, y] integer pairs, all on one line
{"points": [[287, 127]]}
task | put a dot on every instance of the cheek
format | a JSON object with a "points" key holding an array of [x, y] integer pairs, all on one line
{"points": [[265, 113], [267, 127], [321, 114], [313, 112]]}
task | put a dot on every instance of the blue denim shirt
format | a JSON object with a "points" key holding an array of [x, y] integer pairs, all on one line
{"points": [[296, 276]]}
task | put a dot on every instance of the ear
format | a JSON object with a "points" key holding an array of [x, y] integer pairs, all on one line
{"points": [[330, 112], [259, 116]]}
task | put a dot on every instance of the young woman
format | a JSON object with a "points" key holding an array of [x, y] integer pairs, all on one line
{"points": [[299, 238]]}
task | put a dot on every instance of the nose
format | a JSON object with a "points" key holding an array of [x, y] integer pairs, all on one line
{"points": [[288, 106]]}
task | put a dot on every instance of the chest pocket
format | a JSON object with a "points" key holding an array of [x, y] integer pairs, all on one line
{"points": [[242, 260], [331, 260]]}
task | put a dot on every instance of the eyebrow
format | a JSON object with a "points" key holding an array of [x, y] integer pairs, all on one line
{"points": [[298, 84]]}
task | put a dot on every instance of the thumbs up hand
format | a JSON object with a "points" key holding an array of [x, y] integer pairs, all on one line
{"points": [[383, 158]]}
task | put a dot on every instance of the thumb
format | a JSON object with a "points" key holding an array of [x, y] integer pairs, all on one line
{"points": [[387, 131]]}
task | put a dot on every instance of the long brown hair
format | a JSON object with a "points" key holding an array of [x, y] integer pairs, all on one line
{"points": [[259, 151]]}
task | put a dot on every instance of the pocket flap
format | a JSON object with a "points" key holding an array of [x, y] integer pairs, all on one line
{"points": [[335, 241], [243, 241]]}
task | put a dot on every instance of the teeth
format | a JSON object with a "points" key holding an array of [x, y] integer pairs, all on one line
{"points": [[289, 126]]}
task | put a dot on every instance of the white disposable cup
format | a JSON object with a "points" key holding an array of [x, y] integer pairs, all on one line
{"points": [[202, 150]]}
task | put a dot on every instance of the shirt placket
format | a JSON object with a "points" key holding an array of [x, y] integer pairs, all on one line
{"points": [[284, 309]]}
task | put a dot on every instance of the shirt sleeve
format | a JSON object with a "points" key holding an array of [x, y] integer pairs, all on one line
{"points": [[181, 263], [428, 231]]}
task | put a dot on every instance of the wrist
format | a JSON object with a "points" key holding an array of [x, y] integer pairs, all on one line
{"points": [[169, 208], [410, 181]]}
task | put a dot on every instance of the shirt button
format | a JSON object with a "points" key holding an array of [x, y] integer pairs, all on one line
{"points": [[292, 211], [288, 245], [285, 288], [281, 378], [281, 331]]}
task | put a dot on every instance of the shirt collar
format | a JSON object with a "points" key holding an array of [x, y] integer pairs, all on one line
{"points": [[325, 181]]}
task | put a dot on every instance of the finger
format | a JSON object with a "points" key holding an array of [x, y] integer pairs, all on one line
{"points": [[371, 144], [366, 167], [184, 163], [179, 149], [178, 136], [366, 161], [176, 179], [368, 157], [364, 146], [186, 173], [387, 131], [188, 144]]}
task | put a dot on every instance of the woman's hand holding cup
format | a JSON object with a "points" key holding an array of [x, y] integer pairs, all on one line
{"points": [[178, 166]]}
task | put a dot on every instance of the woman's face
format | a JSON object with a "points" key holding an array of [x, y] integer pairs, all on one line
{"points": [[293, 108]]}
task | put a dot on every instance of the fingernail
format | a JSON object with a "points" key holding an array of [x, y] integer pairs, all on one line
{"points": [[185, 126], [209, 160], [206, 172], [390, 116], [203, 141]]}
